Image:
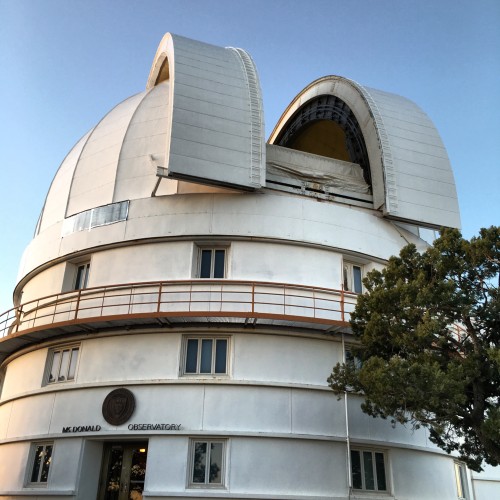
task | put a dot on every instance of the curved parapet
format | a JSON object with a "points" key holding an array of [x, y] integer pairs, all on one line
{"points": [[215, 122], [391, 138]]}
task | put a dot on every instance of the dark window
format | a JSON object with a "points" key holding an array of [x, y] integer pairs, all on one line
{"points": [[368, 470], [353, 278], [212, 263], [82, 276], [207, 463], [206, 355], [41, 459]]}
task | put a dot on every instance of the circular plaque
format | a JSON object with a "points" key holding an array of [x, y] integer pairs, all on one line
{"points": [[118, 406]]}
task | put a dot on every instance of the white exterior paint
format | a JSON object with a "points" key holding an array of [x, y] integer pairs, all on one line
{"points": [[286, 435]]}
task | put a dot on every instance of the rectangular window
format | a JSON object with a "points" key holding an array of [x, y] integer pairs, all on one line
{"points": [[212, 263], [82, 276], [206, 356], [207, 463], [368, 470], [61, 364], [39, 464], [353, 277], [461, 480]]}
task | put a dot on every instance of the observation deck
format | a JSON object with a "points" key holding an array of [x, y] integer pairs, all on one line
{"points": [[167, 303]]}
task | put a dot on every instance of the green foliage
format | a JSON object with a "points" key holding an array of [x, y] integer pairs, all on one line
{"points": [[428, 331]]}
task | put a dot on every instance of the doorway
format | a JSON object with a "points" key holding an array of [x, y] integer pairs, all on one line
{"points": [[123, 471]]}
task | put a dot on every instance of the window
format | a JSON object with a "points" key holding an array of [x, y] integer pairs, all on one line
{"points": [[353, 359], [61, 364], [39, 464], [461, 480], [212, 263], [368, 470], [207, 463], [206, 355], [82, 276], [95, 217], [353, 276]]}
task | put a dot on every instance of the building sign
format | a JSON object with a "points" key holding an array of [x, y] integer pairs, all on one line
{"points": [[154, 427], [131, 427], [81, 428]]}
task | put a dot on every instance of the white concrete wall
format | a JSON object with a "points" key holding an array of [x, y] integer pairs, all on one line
{"points": [[229, 216]]}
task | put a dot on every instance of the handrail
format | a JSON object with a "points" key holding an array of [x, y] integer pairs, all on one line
{"points": [[198, 297]]}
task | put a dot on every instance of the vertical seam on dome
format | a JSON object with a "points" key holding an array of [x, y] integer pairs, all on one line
{"points": [[86, 142], [147, 92], [39, 223]]}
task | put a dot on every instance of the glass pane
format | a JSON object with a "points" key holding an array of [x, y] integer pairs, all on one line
{"points": [[192, 355], [138, 471], [220, 355], [357, 482], [219, 263], [380, 466], [215, 475], [54, 370], [37, 461], [368, 466], [80, 274], [356, 279], [206, 263], [63, 372], [114, 473], [46, 464], [206, 356], [72, 364], [346, 276], [86, 276], [199, 461]]}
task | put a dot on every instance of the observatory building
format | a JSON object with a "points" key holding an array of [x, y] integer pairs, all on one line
{"points": [[188, 291]]}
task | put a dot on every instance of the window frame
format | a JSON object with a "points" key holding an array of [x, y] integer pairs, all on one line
{"points": [[198, 372], [461, 480], [30, 469], [373, 451], [190, 469], [213, 249], [50, 363], [81, 284], [349, 281]]}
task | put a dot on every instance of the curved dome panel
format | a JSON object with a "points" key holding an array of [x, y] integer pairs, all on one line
{"points": [[56, 201], [216, 128], [94, 177], [411, 175]]}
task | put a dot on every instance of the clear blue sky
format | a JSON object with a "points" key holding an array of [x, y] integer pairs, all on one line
{"points": [[64, 64]]}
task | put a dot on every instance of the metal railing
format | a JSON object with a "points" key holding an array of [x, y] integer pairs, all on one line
{"points": [[185, 298]]}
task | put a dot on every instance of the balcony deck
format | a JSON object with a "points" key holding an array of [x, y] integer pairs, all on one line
{"points": [[166, 303]]}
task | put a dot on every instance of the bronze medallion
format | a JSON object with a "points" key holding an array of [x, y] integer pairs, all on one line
{"points": [[118, 406]]}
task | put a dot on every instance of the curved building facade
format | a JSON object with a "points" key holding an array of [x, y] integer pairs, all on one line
{"points": [[189, 287]]}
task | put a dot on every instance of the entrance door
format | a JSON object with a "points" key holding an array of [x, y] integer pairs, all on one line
{"points": [[124, 471]]}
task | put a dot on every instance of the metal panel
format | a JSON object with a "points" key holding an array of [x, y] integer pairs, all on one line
{"points": [[94, 177], [411, 175], [215, 116]]}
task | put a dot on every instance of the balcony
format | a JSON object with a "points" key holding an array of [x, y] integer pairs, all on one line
{"points": [[167, 303]]}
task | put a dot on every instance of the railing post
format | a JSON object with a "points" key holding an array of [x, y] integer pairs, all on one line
{"points": [[253, 297], [19, 314]]}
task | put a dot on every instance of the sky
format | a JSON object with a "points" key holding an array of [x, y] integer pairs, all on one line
{"points": [[65, 63]]}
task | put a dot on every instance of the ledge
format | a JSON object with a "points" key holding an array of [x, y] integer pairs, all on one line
{"points": [[42, 492]]}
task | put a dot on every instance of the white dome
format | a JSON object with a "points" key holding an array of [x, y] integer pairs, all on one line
{"points": [[115, 161]]}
